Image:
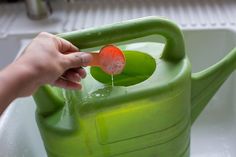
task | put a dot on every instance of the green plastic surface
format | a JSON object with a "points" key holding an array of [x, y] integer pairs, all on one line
{"points": [[150, 117], [130, 75]]}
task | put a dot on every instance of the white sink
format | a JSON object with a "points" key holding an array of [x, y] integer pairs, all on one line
{"points": [[9, 48], [213, 134]]}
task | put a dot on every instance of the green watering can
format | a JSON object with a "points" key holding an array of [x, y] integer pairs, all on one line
{"points": [[149, 110]]}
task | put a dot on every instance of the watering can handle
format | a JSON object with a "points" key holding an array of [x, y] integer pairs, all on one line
{"points": [[174, 49]]}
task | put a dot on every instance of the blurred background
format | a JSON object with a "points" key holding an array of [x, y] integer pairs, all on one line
{"points": [[79, 14]]}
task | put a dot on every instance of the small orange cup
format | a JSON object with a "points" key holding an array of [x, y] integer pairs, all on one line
{"points": [[110, 59]]}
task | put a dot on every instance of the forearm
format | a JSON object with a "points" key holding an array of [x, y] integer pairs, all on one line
{"points": [[44, 61], [6, 94], [13, 80]]}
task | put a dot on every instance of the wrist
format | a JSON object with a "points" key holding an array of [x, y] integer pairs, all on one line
{"points": [[17, 78], [8, 87], [6, 94]]}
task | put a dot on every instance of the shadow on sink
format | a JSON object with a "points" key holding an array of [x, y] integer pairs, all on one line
{"points": [[11, 45], [9, 48]]}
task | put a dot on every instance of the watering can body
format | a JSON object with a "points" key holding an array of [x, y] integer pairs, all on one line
{"points": [[148, 119]]}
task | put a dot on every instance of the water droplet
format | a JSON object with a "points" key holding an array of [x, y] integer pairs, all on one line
{"points": [[112, 81]]}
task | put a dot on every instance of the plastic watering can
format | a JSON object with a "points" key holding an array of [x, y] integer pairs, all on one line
{"points": [[149, 118]]}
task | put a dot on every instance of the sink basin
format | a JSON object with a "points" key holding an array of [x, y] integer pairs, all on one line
{"points": [[9, 48], [213, 134]]}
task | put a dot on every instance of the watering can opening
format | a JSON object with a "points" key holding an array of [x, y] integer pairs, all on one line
{"points": [[144, 74], [139, 67]]}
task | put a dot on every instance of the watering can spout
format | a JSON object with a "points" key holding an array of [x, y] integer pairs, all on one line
{"points": [[50, 102], [206, 83], [50, 106]]}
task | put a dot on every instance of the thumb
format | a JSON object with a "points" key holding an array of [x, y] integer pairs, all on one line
{"points": [[77, 59]]}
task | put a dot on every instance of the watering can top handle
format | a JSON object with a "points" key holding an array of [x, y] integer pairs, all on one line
{"points": [[174, 49]]}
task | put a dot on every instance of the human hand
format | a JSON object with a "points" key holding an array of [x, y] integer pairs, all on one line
{"points": [[49, 59]]}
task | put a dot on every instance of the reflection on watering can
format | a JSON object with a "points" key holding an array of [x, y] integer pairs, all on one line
{"points": [[148, 119]]}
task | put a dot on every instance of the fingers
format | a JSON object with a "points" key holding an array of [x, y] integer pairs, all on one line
{"points": [[62, 45], [65, 46], [81, 72], [63, 83], [77, 59], [72, 58], [72, 76]]}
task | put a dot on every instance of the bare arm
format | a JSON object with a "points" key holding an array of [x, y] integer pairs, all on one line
{"points": [[46, 60]]}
